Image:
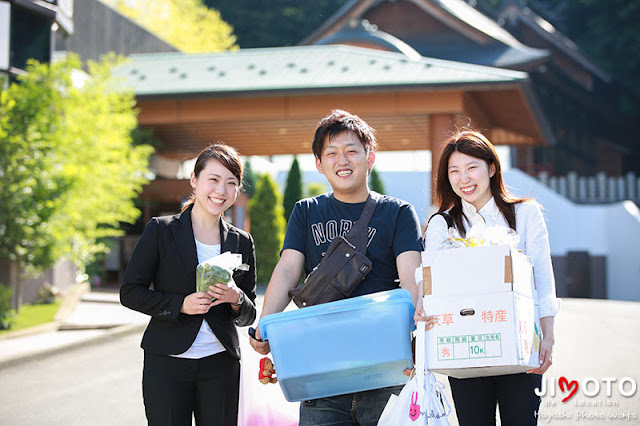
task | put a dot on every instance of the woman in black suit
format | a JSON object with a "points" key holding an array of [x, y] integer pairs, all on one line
{"points": [[191, 347]]}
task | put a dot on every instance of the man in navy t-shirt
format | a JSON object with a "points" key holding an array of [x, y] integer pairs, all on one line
{"points": [[393, 230], [344, 147]]}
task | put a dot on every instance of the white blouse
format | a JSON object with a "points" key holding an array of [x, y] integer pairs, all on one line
{"points": [[534, 242], [206, 342]]}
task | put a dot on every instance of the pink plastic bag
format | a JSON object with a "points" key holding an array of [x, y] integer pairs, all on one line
{"points": [[262, 404]]}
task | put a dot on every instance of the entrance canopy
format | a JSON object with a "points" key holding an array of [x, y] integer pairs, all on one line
{"points": [[269, 101]]}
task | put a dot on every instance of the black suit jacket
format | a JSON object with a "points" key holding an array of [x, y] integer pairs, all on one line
{"points": [[162, 272]]}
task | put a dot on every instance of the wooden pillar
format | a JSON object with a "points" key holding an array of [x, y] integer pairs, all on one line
{"points": [[475, 115], [441, 127]]}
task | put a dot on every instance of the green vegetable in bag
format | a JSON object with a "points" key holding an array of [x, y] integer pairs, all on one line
{"points": [[209, 275]]}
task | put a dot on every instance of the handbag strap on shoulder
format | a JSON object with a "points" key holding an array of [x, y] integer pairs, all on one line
{"points": [[358, 234], [446, 216]]}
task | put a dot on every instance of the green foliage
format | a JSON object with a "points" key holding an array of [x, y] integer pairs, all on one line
{"points": [[32, 315], [249, 178], [48, 294], [99, 156], [315, 188], [68, 169], [375, 183], [145, 136], [189, 25], [259, 23], [31, 173], [7, 315], [267, 226], [293, 189]]}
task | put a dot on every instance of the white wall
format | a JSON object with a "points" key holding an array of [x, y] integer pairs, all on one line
{"points": [[610, 230], [623, 262]]}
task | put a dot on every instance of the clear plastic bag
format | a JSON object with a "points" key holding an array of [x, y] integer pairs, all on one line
{"points": [[482, 235], [218, 269]]}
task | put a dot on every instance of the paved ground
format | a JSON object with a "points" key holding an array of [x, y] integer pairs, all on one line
{"points": [[84, 317], [597, 342]]}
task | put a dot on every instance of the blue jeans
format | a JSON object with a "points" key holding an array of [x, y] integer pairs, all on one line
{"points": [[361, 408]]}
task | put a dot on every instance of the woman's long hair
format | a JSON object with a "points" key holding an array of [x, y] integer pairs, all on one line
{"points": [[476, 145], [225, 154]]}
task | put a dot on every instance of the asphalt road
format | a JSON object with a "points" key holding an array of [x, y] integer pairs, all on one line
{"points": [[597, 342], [97, 385]]}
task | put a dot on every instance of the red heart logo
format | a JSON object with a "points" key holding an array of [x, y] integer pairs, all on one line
{"points": [[571, 386]]}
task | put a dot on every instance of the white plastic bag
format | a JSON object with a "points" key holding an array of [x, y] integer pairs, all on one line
{"points": [[421, 401], [437, 414]]}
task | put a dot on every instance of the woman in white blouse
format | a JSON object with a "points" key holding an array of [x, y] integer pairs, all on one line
{"points": [[470, 190]]}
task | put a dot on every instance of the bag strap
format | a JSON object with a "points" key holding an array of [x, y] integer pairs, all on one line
{"points": [[420, 364], [358, 234], [447, 217]]}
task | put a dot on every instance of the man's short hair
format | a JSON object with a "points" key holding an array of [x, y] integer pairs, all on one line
{"points": [[340, 121]]}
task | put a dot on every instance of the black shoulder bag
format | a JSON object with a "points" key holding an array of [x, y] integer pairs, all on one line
{"points": [[343, 266]]}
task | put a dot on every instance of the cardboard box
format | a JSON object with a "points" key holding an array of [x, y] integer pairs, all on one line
{"points": [[341, 347], [483, 334], [485, 269]]}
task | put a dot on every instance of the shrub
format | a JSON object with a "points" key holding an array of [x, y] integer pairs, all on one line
{"points": [[375, 182], [267, 226], [7, 315], [293, 189], [48, 294]]}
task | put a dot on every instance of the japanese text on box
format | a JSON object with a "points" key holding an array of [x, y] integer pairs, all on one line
{"points": [[470, 346]]}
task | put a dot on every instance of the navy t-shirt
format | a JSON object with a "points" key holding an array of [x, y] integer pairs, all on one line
{"points": [[393, 229]]}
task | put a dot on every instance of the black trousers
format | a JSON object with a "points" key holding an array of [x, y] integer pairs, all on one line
{"points": [[175, 388], [475, 399]]}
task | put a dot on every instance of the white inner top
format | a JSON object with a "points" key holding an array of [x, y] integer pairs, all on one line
{"points": [[206, 342]]}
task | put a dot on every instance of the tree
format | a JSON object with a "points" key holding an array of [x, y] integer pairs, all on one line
{"points": [[258, 23], [375, 183], [267, 225], [30, 176], [99, 156], [607, 32], [189, 25], [67, 166], [314, 188], [293, 188], [249, 178]]}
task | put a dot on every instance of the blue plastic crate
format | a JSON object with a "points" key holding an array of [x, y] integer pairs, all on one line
{"points": [[341, 347]]}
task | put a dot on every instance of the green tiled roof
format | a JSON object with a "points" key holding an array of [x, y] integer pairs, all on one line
{"points": [[295, 69]]}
